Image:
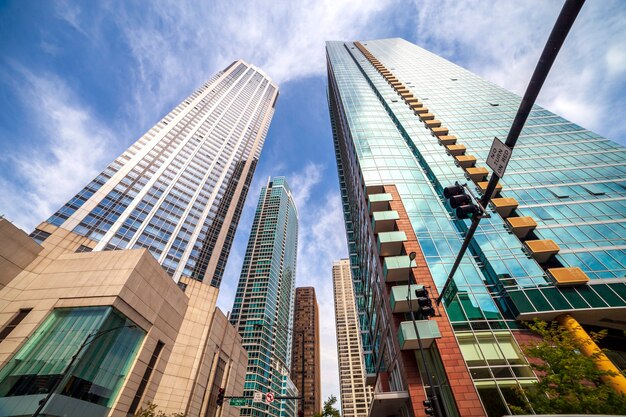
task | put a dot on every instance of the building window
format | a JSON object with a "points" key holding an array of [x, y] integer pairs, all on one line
{"points": [[39, 236], [13, 323], [146, 377], [83, 248], [99, 370]]}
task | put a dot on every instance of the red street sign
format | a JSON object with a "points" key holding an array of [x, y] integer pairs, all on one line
{"points": [[269, 397]]}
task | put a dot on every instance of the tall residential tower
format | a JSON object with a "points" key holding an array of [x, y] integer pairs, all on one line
{"points": [[143, 322], [305, 361], [264, 302], [406, 124], [355, 394]]}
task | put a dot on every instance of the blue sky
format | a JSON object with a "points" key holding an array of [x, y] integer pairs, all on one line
{"points": [[81, 80]]}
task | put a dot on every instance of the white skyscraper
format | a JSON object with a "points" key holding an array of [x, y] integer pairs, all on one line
{"points": [[355, 395], [178, 191]]}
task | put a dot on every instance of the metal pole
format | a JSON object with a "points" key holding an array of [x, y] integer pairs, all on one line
{"points": [[90, 338], [563, 24], [433, 397]]}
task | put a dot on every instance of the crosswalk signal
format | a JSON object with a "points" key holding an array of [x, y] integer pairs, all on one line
{"points": [[424, 303], [464, 205], [220, 396]]}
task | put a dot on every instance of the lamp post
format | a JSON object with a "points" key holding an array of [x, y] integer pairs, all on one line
{"points": [[433, 397], [90, 338], [290, 329]]}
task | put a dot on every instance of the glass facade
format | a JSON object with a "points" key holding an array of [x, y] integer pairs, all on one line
{"points": [[571, 181], [99, 370], [173, 189], [264, 302]]}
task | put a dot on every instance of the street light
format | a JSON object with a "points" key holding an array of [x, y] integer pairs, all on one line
{"points": [[90, 338], [278, 326], [432, 399]]}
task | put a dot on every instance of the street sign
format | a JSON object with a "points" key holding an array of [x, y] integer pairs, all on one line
{"points": [[258, 397], [499, 156], [237, 402], [269, 397]]}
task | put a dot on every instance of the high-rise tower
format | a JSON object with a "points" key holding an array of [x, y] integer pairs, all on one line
{"points": [[355, 394], [305, 361], [407, 124], [179, 190], [264, 302], [174, 197]]}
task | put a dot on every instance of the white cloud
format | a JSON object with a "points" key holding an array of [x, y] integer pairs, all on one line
{"points": [[502, 41], [71, 150]]}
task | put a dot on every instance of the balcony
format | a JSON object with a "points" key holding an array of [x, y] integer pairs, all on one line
{"points": [[421, 110], [440, 131], [521, 226], [456, 150], [385, 404], [476, 174], [390, 243], [416, 105], [411, 100], [465, 161], [396, 268], [447, 140], [428, 331], [427, 116], [567, 277], [384, 221], [504, 206], [379, 202], [399, 302], [542, 250], [482, 187], [374, 189]]}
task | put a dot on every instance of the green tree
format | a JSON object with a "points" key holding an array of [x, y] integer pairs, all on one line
{"points": [[151, 411], [329, 409], [569, 381]]}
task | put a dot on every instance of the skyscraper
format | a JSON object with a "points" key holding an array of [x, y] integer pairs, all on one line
{"points": [[407, 124], [176, 195], [264, 302], [178, 191], [305, 361], [355, 395]]}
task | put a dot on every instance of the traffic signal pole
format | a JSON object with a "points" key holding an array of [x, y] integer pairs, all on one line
{"points": [[563, 24]]}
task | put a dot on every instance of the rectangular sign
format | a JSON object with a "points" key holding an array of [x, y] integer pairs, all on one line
{"points": [[258, 397], [237, 402], [499, 156]]}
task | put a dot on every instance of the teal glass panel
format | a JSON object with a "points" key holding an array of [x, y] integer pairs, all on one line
{"points": [[591, 297], [539, 301], [574, 298], [101, 367], [521, 302], [608, 295], [557, 300]]}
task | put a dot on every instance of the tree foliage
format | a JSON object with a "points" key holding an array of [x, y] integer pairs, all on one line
{"points": [[329, 409], [569, 381], [151, 411]]}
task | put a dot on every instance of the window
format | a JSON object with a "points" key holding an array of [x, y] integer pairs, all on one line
{"points": [[14, 322], [39, 236]]}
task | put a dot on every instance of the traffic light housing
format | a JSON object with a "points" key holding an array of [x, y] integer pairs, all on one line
{"points": [[425, 304], [428, 408], [464, 205], [220, 396]]}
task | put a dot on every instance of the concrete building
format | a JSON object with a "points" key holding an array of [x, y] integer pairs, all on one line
{"points": [[143, 245], [264, 302], [305, 361], [407, 124], [355, 394]]}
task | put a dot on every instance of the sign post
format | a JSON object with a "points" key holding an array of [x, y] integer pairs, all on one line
{"points": [[499, 156], [269, 397], [237, 402], [258, 397]]}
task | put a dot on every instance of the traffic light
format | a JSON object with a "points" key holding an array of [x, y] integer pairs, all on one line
{"points": [[425, 304], [459, 200], [300, 413], [428, 409], [220, 396]]}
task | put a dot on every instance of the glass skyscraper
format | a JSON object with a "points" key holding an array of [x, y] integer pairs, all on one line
{"points": [[264, 302], [406, 124], [179, 190]]}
